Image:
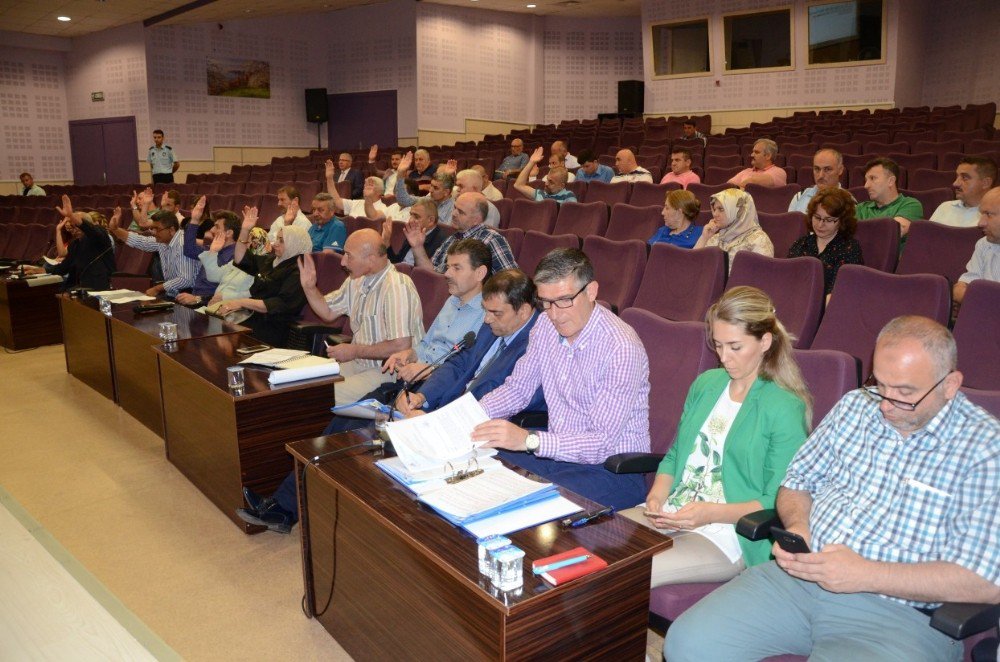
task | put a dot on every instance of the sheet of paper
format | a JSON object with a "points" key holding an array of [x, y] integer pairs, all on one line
{"points": [[273, 357], [483, 492], [522, 518], [444, 435], [309, 372], [431, 480]]}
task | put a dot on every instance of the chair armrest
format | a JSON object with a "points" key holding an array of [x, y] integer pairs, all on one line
{"points": [[757, 525], [959, 620], [633, 463], [535, 420]]}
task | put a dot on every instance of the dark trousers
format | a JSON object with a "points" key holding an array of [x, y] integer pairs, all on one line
{"points": [[163, 178], [590, 480]]}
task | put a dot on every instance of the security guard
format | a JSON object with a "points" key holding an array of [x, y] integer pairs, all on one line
{"points": [[161, 160]]}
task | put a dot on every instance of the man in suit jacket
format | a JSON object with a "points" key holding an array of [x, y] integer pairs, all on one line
{"points": [[345, 173], [508, 298]]}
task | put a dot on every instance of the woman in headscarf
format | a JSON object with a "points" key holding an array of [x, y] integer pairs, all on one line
{"points": [[276, 295], [734, 226]]}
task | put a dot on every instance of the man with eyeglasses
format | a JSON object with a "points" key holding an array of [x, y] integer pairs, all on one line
{"points": [[897, 494], [594, 373], [179, 271]]}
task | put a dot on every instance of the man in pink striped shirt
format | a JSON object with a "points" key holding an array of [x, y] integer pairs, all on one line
{"points": [[594, 372]]}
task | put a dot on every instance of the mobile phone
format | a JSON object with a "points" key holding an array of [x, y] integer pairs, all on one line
{"points": [[251, 349], [790, 542]]}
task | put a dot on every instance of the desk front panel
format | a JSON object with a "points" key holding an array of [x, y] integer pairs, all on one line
{"points": [[223, 442], [85, 342], [29, 316]]}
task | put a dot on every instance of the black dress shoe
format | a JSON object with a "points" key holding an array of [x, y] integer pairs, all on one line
{"points": [[275, 519], [257, 503]]}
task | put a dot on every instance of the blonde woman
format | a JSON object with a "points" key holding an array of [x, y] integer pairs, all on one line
{"points": [[734, 226], [741, 425]]}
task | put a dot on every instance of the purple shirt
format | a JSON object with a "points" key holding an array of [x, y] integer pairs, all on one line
{"points": [[596, 389]]}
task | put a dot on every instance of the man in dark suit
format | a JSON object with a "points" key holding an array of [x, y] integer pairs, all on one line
{"points": [[345, 173], [508, 298]]}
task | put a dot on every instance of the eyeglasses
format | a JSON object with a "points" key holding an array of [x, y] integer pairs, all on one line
{"points": [[561, 302], [871, 388], [829, 220]]}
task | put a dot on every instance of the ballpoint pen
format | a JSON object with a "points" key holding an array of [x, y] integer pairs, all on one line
{"points": [[560, 564], [587, 518]]}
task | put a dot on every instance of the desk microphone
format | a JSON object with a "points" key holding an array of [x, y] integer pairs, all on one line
{"points": [[464, 343]]}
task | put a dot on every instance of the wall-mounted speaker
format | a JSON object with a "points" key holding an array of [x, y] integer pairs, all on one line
{"points": [[316, 108], [630, 97]]}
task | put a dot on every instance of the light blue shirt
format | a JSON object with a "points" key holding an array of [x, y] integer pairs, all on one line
{"points": [[602, 174], [450, 326], [404, 199]]}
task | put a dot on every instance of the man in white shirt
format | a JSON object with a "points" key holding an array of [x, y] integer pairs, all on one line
{"points": [[288, 196], [828, 167], [628, 169], [369, 206], [974, 176], [559, 149], [985, 260]]}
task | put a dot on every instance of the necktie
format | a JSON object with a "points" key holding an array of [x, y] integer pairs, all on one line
{"points": [[485, 368]]}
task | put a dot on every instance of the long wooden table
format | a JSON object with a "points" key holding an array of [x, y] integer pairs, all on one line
{"points": [[29, 315], [388, 578], [224, 441]]}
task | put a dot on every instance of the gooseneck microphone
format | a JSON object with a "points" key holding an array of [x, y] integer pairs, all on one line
{"points": [[464, 343]]}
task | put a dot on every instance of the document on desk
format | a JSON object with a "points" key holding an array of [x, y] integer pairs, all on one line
{"points": [[487, 494], [445, 435], [516, 520], [122, 296]]}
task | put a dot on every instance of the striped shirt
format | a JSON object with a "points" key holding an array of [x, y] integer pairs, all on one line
{"points": [[984, 264], [503, 258], [931, 496], [596, 389], [179, 271], [382, 306]]}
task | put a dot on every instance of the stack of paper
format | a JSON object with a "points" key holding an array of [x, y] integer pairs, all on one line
{"points": [[121, 296]]}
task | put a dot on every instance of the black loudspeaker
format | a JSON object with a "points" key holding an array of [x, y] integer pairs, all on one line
{"points": [[316, 108], [630, 97]]}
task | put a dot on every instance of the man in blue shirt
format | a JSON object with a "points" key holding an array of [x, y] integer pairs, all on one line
{"points": [[162, 161], [593, 170], [227, 226], [514, 162], [327, 232], [895, 493], [554, 187]]}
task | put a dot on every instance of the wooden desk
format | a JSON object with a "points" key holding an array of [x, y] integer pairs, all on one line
{"points": [[223, 442], [87, 345], [132, 339], [29, 316], [407, 583]]}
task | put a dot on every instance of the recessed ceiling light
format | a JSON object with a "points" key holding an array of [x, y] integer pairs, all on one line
{"points": [[63, 18], [531, 6]]}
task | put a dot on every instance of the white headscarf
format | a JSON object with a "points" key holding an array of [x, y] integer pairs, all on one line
{"points": [[297, 241], [741, 212]]}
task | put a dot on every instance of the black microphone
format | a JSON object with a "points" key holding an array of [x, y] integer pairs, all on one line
{"points": [[464, 343]]}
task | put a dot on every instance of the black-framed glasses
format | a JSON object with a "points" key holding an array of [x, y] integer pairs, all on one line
{"points": [[561, 302], [871, 388], [830, 220]]}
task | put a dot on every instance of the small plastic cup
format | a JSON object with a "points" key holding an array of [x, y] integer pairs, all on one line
{"points": [[236, 379]]}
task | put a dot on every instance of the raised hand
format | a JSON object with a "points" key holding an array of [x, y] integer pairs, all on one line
{"points": [[292, 211], [135, 199], [537, 155], [249, 218], [307, 272], [218, 242], [116, 218], [373, 153], [146, 197], [404, 164], [387, 231], [329, 169], [66, 211], [450, 167], [415, 235], [198, 210]]}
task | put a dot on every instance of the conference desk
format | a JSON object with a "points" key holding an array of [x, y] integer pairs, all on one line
{"points": [[29, 315], [113, 354], [388, 578], [224, 441], [132, 337]]}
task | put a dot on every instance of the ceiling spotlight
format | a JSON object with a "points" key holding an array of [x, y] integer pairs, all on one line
{"points": [[531, 6], [63, 18]]}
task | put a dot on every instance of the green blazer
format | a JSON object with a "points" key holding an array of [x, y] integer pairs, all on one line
{"points": [[767, 432]]}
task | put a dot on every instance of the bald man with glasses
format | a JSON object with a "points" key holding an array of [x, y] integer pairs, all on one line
{"points": [[897, 494]]}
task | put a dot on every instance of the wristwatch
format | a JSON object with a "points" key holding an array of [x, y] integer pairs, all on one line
{"points": [[532, 442]]}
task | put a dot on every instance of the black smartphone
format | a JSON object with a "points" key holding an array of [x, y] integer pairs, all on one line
{"points": [[251, 349], [790, 542]]}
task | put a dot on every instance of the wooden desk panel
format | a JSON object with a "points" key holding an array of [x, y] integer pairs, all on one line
{"points": [[85, 341], [132, 339], [29, 316], [223, 442], [397, 577]]}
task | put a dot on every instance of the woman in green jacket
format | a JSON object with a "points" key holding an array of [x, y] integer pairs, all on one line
{"points": [[740, 427]]}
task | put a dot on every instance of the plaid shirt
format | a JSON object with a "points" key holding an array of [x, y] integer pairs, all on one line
{"points": [[931, 496], [499, 248], [596, 389]]}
